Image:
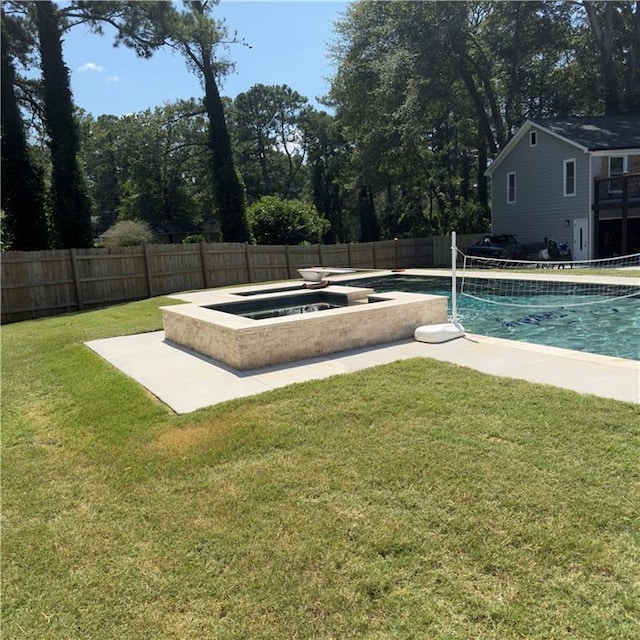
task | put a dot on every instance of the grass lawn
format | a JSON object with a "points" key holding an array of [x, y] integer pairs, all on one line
{"points": [[413, 500]]}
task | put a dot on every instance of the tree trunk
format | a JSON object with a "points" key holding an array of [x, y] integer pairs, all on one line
{"points": [[70, 201], [604, 39], [483, 190], [633, 83], [229, 190], [369, 228], [230, 194]]}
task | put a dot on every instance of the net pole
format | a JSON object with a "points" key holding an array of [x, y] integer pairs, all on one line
{"points": [[454, 301]]}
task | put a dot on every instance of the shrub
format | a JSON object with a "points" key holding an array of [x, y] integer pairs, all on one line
{"points": [[127, 233], [277, 221], [194, 238]]}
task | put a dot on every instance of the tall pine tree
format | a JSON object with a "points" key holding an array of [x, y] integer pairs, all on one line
{"points": [[195, 33], [71, 207], [23, 194]]}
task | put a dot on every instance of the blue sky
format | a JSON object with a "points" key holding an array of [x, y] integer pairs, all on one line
{"points": [[289, 44]]}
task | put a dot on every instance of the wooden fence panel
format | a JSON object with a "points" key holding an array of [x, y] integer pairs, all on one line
{"points": [[362, 255], [175, 267], [423, 248], [104, 275], [268, 262], [302, 257], [37, 283], [385, 254], [226, 263], [335, 255], [41, 283], [405, 254]]}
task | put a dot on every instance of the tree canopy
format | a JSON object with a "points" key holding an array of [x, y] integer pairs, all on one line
{"points": [[424, 95], [429, 91]]}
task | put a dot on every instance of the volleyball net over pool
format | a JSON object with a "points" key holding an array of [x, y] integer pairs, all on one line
{"points": [[531, 283]]}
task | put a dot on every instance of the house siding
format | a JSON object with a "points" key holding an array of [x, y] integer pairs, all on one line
{"points": [[541, 208]]}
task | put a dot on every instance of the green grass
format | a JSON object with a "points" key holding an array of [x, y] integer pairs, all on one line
{"points": [[618, 273], [625, 273], [551, 273], [414, 500]]}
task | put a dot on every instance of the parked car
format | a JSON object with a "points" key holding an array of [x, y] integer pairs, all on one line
{"points": [[500, 246]]}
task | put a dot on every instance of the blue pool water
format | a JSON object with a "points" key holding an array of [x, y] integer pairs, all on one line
{"points": [[606, 326]]}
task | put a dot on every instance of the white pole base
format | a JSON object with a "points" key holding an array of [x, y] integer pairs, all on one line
{"points": [[435, 333]]}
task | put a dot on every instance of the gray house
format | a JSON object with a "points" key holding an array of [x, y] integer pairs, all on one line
{"points": [[573, 180]]}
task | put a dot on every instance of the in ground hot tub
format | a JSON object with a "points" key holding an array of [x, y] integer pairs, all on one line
{"points": [[293, 304], [357, 318]]}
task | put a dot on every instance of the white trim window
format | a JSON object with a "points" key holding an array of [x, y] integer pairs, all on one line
{"points": [[533, 138], [511, 187], [617, 166], [569, 177]]}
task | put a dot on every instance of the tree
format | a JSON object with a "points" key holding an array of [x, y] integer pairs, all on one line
{"points": [[100, 148], [528, 48], [329, 156], [405, 107], [71, 208], [253, 120], [267, 120], [230, 193], [278, 221], [615, 27], [150, 165], [194, 33], [428, 92], [369, 227], [23, 192]]}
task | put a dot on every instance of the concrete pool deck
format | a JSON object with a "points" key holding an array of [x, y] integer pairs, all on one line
{"points": [[186, 381]]}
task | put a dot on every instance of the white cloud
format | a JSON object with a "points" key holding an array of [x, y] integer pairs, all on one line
{"points": [[113, 79], [90, 66]]}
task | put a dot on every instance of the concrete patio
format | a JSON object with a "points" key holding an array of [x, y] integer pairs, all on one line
{"points": [[186, 381]]}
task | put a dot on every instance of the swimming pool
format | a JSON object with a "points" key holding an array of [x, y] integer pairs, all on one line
{"points": [[607, 327]]}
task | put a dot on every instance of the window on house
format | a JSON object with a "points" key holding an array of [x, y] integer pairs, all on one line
{"points": [[569, 177], [511, 187], [616, 166], [533, 138]]}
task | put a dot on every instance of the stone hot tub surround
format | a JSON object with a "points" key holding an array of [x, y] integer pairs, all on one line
{"points": [[244, 343]]}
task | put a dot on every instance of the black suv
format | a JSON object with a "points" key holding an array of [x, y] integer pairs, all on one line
{"points": [[500, 246]]}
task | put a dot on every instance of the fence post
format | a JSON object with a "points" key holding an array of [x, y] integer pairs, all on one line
{"points": [[320, 254], [375, 257], [247, 257], [147, 267], [204, 265], [76, 282], [288, 260], [349, 255]]}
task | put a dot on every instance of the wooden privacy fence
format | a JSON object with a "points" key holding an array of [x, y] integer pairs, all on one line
{"points": [[43, 283]]}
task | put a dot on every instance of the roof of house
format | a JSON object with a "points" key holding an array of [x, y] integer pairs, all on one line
{"points": [[590, 134], [597, 133]]}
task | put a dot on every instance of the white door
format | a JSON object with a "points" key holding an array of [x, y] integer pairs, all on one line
{"points": [[581, 239]]}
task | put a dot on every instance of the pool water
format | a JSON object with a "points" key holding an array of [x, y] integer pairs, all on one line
{"points": [[606, 327], [289, 311]]}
